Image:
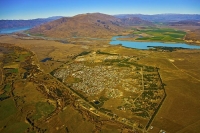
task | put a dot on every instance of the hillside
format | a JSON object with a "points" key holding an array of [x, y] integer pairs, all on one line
{"points": [[83, 25], [86, 25], [193, 36], [25, 23]]}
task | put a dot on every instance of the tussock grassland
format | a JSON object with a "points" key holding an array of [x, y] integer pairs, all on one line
{"points": [[180, 110], [179, 70]]}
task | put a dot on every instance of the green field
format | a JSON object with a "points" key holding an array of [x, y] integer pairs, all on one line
{"points": [[22, 57], [160, 34], [43, 109], [15, 70], [16, 127], [7, 111]]}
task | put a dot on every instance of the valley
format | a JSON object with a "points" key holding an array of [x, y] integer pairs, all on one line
{"points": [[67, 74]]}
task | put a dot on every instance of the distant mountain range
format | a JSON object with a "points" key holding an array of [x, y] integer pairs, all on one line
{"points": [[185, 23], [87, 25], [97, 24], [162, 17], [165, 18], [25, 23]]}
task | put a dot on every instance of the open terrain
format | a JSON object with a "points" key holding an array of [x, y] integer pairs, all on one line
{"points": [[158, 34], [193, 36], [178, 70], [155, 34], [65, 75]]}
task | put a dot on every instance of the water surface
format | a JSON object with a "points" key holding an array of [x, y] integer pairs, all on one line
{"points": [[147, 45], [12, 30]]}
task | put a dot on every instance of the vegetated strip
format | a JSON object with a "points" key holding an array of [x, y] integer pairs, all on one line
{"points": [[156, 111]]}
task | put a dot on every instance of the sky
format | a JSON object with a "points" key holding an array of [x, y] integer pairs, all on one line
{"points": [[31, 9]]}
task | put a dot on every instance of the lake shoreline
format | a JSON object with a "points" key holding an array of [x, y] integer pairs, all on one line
{"points": [[133, 40], [146, 44], [190, 42], [14, 30]]}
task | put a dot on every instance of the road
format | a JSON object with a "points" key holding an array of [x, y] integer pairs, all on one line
{"points": [[184, 71], [1, 73]]}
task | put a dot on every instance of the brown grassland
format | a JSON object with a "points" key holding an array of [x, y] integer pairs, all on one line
{"points": [[179, 70]]}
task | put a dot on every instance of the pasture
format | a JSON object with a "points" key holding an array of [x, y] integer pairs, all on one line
{"points": [[159, 34]]}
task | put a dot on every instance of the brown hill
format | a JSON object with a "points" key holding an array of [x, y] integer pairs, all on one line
{"points": [[87, 25], [83, 25]]}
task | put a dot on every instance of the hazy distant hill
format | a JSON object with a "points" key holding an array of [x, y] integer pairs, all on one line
{"points": [[25, 23], [162, 17], [185, 23], [132, 21], [86, 25]]}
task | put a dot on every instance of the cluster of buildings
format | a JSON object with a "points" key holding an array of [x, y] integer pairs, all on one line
{"points": [[114, 80], [93, 80]]}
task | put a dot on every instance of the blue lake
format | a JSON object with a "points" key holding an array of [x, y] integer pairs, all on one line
{"points": [[147, 45], [12, 30]]}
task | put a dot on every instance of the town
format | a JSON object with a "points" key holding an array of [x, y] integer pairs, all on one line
{"points": [[95, 76]]}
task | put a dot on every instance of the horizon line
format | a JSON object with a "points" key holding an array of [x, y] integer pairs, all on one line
{"points": [[109, 14]]}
